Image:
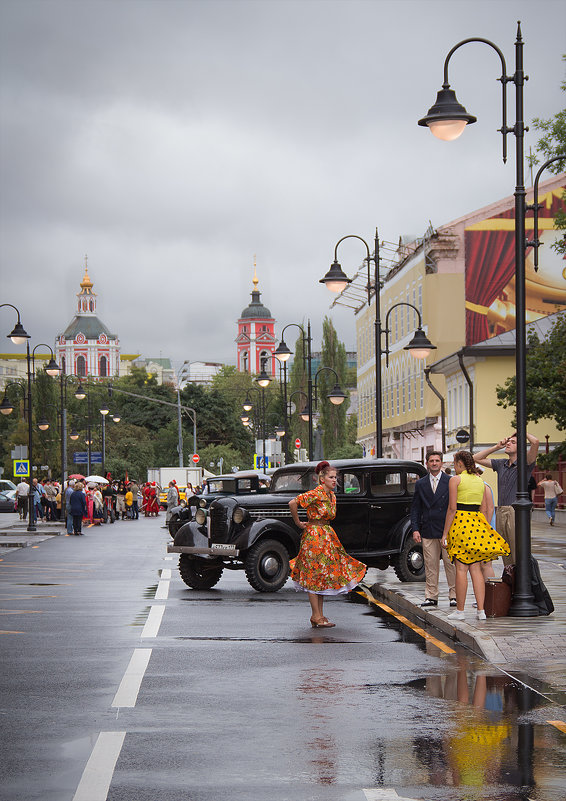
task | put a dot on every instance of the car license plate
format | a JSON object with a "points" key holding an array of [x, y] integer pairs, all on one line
{"points": [[219, 546]]}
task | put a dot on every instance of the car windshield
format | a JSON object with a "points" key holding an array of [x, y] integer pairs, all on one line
{"points": [[291, 481], [226, 485]]}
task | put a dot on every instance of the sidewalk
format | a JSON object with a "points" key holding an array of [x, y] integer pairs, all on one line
{"points": [[535, 646], [14, 533]]}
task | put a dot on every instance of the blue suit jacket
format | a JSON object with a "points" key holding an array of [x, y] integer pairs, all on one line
{"points": [[428, 511]]}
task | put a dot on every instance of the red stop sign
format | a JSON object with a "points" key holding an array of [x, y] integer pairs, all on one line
{"points": [[196, 458], [297, 443]]}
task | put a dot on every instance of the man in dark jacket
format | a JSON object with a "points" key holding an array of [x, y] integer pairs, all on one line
{"points": [[428, 514], [77, 507]]}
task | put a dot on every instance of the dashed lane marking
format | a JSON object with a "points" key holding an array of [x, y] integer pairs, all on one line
{"points": [[21, 611], [5, 631], [129, 688], [153, 622], [162, 591], [406, 622], [385, 794], [97, 775], [559, 724], [166, 573]]}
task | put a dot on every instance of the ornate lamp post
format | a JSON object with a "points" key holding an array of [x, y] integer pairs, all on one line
{"points": [[447, 119], [283, 353], [336, 280]]}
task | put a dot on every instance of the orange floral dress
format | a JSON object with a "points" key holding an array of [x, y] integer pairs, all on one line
{"points": [[322, 565]]}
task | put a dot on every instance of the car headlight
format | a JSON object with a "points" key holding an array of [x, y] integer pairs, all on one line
{"points": [[202, 503], [200, 517], [238, 515]]}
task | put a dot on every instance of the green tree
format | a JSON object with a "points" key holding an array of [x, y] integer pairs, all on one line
{"points": [[553, 143], [298, 383], [332, 417], [211, 455], [546, 377]]}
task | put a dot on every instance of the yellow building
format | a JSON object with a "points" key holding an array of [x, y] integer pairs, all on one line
{"points": [[461, 279]]}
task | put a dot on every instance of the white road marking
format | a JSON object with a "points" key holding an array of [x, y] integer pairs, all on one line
{"points": [[153, 622], [129, 688], [166, 573], [162, 592], [168, 559], [97, 775]]}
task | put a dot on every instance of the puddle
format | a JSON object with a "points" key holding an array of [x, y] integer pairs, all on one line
{"points": [[312, 639], [37, 584], [141, 618]]}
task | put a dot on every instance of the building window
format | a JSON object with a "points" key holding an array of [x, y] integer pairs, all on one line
{"points": [[264, 361], [103, 367], [245, 366], [63, 366], [81, 366], [91, 305]]}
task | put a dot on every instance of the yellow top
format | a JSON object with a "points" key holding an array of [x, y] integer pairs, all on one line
{"points": [[470, 489]]}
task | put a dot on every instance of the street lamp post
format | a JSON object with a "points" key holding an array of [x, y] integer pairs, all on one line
{"points": [[336, 280], [283, 353], [447, 119]]}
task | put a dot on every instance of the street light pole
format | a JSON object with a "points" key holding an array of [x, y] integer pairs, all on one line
{"points": [[447, 119], [283, 353]]}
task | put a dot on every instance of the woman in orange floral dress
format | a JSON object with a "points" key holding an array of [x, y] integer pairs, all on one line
{"points": [[322, 566]]}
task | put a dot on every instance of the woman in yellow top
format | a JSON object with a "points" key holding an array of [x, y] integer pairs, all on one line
{"points": [[322, 566], [468, 537]]}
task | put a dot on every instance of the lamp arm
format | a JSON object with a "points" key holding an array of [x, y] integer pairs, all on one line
{"points": [[351, 236], [536, 243], [401, 303], [505, 79], [11, 305], [40, 345]]}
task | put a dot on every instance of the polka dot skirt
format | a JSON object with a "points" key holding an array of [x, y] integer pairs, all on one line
{"points": [[472, 539]]}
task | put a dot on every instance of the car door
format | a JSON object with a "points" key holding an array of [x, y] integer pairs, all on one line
{"points": [[388, 503], [351, 523]]}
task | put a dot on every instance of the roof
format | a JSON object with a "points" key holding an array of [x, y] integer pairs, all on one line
{"points": [[256, 309], [91, 327]]}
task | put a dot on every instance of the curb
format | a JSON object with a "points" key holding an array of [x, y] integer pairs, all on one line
{"points": [[479, 642]]}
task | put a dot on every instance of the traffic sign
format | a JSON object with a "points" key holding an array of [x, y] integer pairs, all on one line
{"points": [[196, 458], [297, 443], [21, 468], [462, 435]]}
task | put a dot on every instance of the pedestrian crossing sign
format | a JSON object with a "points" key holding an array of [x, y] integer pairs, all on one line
{"points": [[21, 468]]}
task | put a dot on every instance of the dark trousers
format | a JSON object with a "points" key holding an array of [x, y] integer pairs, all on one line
{"points": [[135, 511], [23, 504], [77, 524]]}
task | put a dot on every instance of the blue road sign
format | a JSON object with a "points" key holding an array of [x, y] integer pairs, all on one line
{"points": [[96, 457], [80, 457], [21, 468]]}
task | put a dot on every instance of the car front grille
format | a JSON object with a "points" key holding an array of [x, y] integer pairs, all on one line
{"points": [[278, 514], [219, 525]]}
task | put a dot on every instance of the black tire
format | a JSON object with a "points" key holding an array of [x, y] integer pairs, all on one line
{"points": [[267, 565], [409, 564], [198, 573]]}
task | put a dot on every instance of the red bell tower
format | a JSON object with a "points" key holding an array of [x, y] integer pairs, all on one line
{"points": [[256, 336]]}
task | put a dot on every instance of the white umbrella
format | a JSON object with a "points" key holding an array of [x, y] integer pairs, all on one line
{"points": [[96, 480]]}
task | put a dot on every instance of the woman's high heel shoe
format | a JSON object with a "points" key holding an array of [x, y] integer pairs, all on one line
{"points": [[321, 623]]}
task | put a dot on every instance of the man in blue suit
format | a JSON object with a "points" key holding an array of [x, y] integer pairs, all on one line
{"points": [[428, 514]]}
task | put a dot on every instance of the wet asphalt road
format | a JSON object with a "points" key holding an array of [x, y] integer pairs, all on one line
{"points": [[237, 697]]}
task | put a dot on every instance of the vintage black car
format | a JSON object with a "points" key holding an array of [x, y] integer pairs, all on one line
{"points": [[256, 532], [244, 482]]}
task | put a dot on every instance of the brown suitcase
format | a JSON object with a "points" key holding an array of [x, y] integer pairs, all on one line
{"points": [[497, 598]]}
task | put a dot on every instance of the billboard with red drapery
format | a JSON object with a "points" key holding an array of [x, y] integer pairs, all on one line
{"points": [[490, 271]]}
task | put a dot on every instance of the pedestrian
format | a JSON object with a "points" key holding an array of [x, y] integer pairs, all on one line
{"points": [[50, 500], [134, 487], [204, 488], [121, 501], [552, 491], [77, 506], [38, 493], [22, 496], [467, 535], [129, 501], [68, 493], [322, 566], [172, 501], [97, 503], [58, 503], [507, 485], [428, 513]]}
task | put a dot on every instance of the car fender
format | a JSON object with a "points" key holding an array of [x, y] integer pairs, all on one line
{"points": [[269, 528], [398, 535], [192, 535]]}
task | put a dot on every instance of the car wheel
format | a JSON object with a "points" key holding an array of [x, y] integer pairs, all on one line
{"points": [[267, 566], [198, 573], [409, 564]]}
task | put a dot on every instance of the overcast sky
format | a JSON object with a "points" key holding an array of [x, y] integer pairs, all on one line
{"points": [[172, 140]]}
